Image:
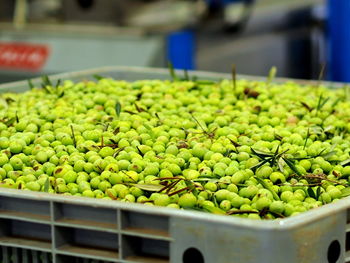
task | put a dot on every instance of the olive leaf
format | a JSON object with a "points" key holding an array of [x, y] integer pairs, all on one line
{"points": [[321, 102], [239, 212], [97, 77], [261, 154], [345, 162], [318, 192], [149, 187], [30, 84], [291, 165], [172, 72], [271, 158], [335, 103], [46, 81], [47, 185], [278, 137], [205, 82], [16, 116], [214, 179], [328, 154], [307, 137], [234, 79], [306, 106], [268, 187], [272, 74], [58, 83], [138, 108], [345, 192], [213, 210], [255, 167], [215, 201], [311, 193], [118, 108], [73, 136], [139, 96], [280, 164]]}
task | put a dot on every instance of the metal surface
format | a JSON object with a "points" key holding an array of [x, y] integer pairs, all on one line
{"points": [[75, 229], [72, 48]]}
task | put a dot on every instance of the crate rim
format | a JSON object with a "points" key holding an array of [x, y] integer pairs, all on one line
{"points": [[276, 224], [198, 73]]}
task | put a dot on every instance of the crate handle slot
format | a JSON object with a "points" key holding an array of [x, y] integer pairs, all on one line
{"points": [[333, 253], [192, 255]]}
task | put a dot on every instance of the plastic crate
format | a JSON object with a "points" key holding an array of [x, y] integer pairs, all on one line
{"points": [[41, 227]]}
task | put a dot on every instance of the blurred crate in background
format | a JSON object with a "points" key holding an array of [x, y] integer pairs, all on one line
{"points": [[74, 48]]}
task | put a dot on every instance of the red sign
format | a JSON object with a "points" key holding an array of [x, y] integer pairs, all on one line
{"points": [[23, 56]]}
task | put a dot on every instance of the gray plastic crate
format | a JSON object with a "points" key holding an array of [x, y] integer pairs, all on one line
{"points": [[41, 227]]}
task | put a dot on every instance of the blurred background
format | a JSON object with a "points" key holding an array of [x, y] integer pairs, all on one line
{"points": [[299, 37]]}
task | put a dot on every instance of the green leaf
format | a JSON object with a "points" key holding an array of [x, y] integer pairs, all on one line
{"points": [[138, 108], [291, 165], [253, 168], [329, 154], [47, 89], [307, 137], [321, 103], [311, 193], [194, 209], [336, 102], [30, 84], [214, 210], [272, 74], [278, 137], [46, 81], [47, 185], [172, 71], [97, 77], [61, 94], [324, 102], [58, 83], [268, 187], [149, 187], [73, 136], [261, 154], [345, 192], [234, 79], [318, 192], [276, 156], [306, 106], [320, 98], [205, 82], [280, 164], [213, 179], [118, 108], [215, 201], [345, 163]]}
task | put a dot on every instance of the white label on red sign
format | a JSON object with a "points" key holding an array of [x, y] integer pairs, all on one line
{"points": [[23, 56]]}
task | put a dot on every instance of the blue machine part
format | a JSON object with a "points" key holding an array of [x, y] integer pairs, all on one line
{"points": [[181, 49], [339, 40]]}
